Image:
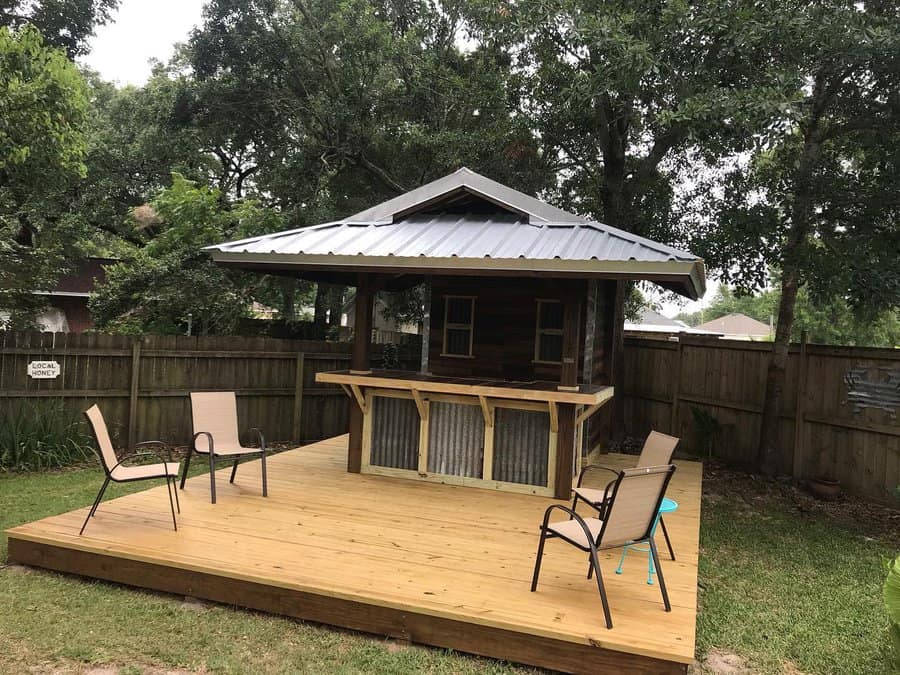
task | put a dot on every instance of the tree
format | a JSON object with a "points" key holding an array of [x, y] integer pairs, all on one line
{"points": [[817, 198], [619, 90], [63, 23], [43, 106], [169, 284]]}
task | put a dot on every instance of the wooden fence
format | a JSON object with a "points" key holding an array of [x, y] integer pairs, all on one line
{"points": [[142, 384], [839, 414]]}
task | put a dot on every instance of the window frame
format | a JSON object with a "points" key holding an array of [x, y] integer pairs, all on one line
{"points": [[459, 326], [539, 332]]}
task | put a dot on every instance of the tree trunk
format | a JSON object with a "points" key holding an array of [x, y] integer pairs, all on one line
{"points": [[335, 305], [288, 291], [768, 450], [321, 307]]}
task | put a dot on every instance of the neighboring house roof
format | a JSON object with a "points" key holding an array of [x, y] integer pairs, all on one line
{"points": [[81, 282], [652, 321], [465, 222], [737, 324]]}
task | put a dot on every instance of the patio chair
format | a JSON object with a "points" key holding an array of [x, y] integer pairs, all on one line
{"points": [[117, 471], [632, 503], [215, 422], [657, 451]]}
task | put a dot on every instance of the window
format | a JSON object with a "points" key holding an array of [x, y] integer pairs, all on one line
{"points": [[549, 332], [459, 313]]}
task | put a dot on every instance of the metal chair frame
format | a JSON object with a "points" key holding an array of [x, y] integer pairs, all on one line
{"points": [[192, 448], [596, 544], [170, 480]]}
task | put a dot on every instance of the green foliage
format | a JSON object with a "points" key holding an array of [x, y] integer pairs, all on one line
{"points": [[170, 282], [834, 322], [64, 23], [891, 594], [43, 106], [38, 434]]}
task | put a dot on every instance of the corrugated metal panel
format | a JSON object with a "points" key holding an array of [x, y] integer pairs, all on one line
{"points": [[455, 439], [521, 446], [472, 236], [395, 433]]}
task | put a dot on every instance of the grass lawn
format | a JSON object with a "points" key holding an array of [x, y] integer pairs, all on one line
{"points": [[787, 585]]}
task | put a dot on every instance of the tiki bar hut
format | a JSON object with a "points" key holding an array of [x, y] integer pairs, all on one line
{"points": [[518, 334]]}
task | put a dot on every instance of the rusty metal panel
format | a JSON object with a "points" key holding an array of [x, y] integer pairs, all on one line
{"points": [[395, 433], [455, 439], [521, 446]]}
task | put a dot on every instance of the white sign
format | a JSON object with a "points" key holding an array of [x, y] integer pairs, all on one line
{"points": [[44, 370]]}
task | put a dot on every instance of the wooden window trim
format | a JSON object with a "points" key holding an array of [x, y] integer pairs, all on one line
{"points": [[460, 326], [539, 332]]}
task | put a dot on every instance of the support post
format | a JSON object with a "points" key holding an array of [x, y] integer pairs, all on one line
{"points": [[800, 408], [674, 420], [568, 380], [426, 327], [297, 418], [133, 392], [359, 361]]}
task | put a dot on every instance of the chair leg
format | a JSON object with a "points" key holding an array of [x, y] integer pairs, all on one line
{"points": [[212, 478], [666, 535], [94, 506], [262, 462], [574, 504], [171, 502], [659, 575], [595, 563], [233, 471], [175, 486], [537, 562], [187, 465]]}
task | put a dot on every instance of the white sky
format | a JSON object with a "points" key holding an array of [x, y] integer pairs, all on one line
{"points": [[148, 29], [141, 30]]}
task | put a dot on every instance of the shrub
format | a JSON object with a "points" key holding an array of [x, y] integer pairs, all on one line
{"points": [[42, 434]]}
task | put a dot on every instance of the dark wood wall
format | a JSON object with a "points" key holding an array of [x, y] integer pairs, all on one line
{"points": [[504, 327]]}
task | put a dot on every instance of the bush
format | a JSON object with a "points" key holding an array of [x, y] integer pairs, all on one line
{"points": [[42, 434]]}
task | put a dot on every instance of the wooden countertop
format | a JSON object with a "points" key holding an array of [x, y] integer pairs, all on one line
{"points": [[535, 390]]}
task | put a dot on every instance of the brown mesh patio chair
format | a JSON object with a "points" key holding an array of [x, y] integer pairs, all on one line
{"points": [[118, 472], [632, 503], [215, 422], [657, 451]]}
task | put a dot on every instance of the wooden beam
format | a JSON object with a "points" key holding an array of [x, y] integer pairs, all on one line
{"points": [[554, 417], [587, 412], [487, 410], [360, 361], [568, 378], [360, 398], [421, 404], [297, 417]]}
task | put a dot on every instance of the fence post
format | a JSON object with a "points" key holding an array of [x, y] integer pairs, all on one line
{"points": [[133, 393], [296, 420], [676, 394], [800, 406]]}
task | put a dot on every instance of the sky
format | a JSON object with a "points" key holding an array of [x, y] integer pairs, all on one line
{"points": [[148, 29]]}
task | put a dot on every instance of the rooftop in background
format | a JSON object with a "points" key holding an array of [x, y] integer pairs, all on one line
{"points": [[460, 224], [738, 326], [653, 322]]}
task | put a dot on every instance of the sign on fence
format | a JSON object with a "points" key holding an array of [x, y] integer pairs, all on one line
{"points": [[43, 370]]}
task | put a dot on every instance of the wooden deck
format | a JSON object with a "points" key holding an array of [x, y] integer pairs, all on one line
{"points": [[441, 565]]}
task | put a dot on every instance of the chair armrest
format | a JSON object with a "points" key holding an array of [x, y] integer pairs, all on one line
{"points": [[124, 461], [259, 437], [574, 516], [594, 467], [208, 438], [158, 444]]}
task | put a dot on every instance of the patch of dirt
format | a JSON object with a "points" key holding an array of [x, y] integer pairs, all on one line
{"points": [[721, 662], [194, 604], [869, 520], [17, 569]]}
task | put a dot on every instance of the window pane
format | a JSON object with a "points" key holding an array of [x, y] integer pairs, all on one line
{"points": [[550, 347], [459, 310], [551, 315], [457, 341]]}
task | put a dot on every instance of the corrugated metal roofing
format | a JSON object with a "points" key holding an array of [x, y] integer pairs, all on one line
{"points": [[462, 236]]}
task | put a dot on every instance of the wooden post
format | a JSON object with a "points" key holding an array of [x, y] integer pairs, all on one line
{"points": [[297, 418], [568, 380], [674, 421], [359, 361], [426, 328], [800, 408], [133, 392]]}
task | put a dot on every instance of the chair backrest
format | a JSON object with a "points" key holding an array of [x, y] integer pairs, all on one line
{"points": [[658, 449], [636, 497], [216, 413], [101, 433]]}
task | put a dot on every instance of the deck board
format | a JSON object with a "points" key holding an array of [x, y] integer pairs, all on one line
{"points": [[457, 555]]}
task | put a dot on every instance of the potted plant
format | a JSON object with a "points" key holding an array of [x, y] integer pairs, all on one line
{"points": [[825, 487]]}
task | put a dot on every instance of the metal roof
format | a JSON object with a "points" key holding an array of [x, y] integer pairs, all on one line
{"points": [[522, 235]]}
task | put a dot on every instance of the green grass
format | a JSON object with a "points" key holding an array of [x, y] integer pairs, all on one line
{"points": [[784, 584]]}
